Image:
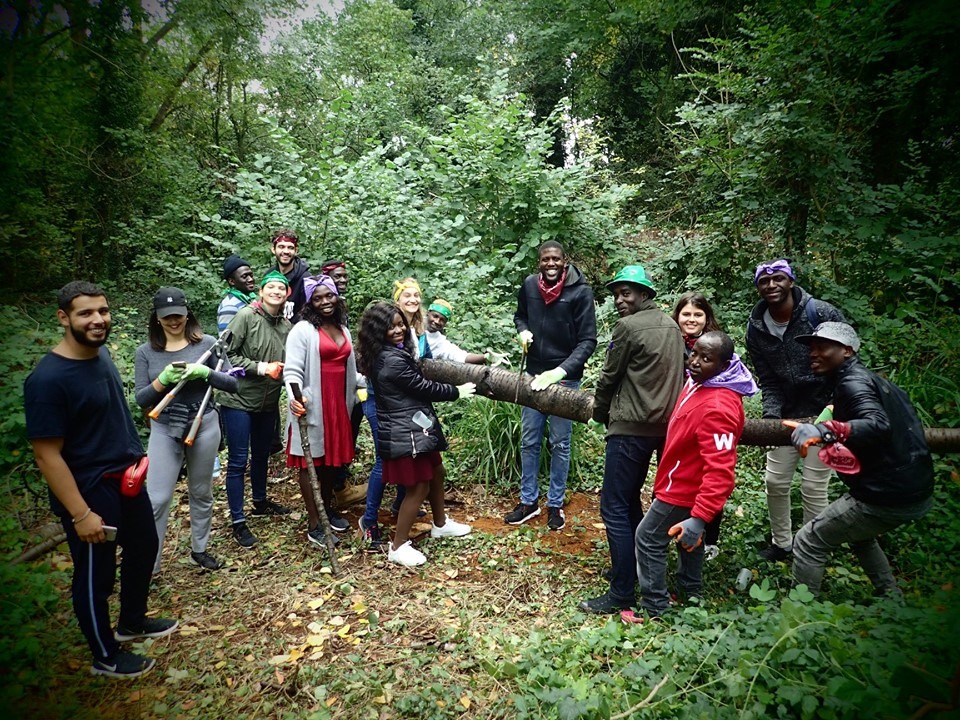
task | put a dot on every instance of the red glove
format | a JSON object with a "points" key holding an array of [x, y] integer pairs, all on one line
{"points": [[840, 429]]}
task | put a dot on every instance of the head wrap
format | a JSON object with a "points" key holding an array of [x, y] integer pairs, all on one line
{"points": [[329, 265], [311, 283], [399, 287], [287, 235], [774, 266], [443, 307], [232, 264], [274, 276]]}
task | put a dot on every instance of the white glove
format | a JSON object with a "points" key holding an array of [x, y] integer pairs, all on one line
{"points": [[495, 359], [526, 338], [467, 390]]}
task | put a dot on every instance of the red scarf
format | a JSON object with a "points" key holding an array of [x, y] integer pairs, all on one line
{"points": [[551, 293]]}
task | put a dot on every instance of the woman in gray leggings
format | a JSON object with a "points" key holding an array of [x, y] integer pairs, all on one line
{"points": [[176, 337]]}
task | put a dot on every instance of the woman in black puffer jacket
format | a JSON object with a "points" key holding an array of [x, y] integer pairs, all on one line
{"points": [[409, 434]]}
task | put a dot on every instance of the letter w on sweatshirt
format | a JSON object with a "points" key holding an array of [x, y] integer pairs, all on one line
{"points": [[724, 441]]}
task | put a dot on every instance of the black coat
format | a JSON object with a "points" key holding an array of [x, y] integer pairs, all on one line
{"points": [[885, 435], [564, 332], [790, 389], [400, 390]]}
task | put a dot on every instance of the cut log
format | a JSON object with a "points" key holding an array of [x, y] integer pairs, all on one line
{"points": [[502, 385]]}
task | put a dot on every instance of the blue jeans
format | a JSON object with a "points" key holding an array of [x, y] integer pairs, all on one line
{"points": [[375, 484], [652, 544], [625, 467], [848, 521], [248, 434], [532, 425]]}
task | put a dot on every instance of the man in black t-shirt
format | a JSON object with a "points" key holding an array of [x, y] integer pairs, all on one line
{"points": [[83, 437]]}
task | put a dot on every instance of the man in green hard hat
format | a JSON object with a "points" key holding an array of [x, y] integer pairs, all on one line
{"points": [[640, 382]]}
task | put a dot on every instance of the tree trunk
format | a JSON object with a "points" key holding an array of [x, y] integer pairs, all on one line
{"points": [[502, 385]]}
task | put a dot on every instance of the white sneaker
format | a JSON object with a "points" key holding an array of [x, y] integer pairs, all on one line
{"points": [[407, 555], [451, 528]]}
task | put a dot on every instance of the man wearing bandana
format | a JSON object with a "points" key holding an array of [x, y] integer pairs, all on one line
{"points": [[557, 326], [790, 390], [286, 245]]}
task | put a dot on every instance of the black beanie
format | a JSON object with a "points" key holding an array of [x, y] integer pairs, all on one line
{"points": [[232, 264]]}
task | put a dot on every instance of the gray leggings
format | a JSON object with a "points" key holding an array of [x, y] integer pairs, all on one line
{"points": [[166, 457]]}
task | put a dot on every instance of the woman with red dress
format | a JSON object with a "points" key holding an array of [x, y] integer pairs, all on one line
{"points": [[320, 359]]}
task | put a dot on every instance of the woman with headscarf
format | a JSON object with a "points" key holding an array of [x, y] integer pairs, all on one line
{"points": [[320, 359]]}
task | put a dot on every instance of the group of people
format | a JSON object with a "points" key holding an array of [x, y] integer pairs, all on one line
{"points": [[669, 385]]}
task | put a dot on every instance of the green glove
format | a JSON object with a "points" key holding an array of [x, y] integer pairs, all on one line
{"points": [[196, 371], [170, 375], [595, 426], [825, 414], [468, 389], [548, 378]]}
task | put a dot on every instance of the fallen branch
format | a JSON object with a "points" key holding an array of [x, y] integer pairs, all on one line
{"points": [[643, 703]]}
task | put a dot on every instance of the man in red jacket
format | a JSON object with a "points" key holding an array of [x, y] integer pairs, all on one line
{"points": [[695, 475]]}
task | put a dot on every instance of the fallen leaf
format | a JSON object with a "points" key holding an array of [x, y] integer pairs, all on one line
{"points": [[465, 701], [135, 696], [279, 659], [380, 700], [315, 627], [599, 526], [315, 603], [330, 700], [316, 640], [189, 630], [279, 676], [451, 573], [188, 704], [337, 620]]}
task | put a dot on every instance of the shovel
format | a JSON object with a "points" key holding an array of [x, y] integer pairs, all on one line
{"points": [[315, 483]]}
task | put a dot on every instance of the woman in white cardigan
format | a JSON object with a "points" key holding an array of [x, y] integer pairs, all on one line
{"points": [[320, 359]]}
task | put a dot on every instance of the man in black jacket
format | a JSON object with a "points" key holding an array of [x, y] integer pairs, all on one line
{"points": [[893, 485], [557, 326], [286, 245], [790, 390]]}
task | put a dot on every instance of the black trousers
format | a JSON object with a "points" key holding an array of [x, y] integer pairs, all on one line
{"points": [[95, 565]]}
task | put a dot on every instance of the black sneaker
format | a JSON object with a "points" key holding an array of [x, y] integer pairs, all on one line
{"points": [[521, 513], [123, 665], [372, 537], [148, 628], [317, 537], [206, 560], [774, 553], [605, 605], [269, 507], [556, 520], [242, 534], [338, 523]]}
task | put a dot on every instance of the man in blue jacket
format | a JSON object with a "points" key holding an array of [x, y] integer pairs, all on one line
{"points": [[893, 482], [790, 390], [557, 326]]}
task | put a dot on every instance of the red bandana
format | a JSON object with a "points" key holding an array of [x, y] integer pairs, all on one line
{"points": [[551, 293]]}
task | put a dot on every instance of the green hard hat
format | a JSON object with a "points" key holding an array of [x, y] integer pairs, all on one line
{"points": [[634, 274]]}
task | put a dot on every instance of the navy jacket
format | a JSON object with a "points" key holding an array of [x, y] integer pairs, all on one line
{"points": [[565, 332]]}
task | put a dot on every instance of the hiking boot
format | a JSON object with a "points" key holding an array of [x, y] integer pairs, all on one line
{"points": [[451, 528], [318, 537], [337, 522], [521, 513], [268, 507], [206, 560], [242, 534], [406, 555], [556, 520], [148, 628], [605, 605], [123, 665], [774, 553], [372, 537]]}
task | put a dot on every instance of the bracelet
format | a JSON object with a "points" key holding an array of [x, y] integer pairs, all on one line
{"points": [[82, 517]]}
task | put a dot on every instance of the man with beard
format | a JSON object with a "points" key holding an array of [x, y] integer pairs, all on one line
{"points": [[285, 247], [557, 326], [84, 439], [641, 379]]}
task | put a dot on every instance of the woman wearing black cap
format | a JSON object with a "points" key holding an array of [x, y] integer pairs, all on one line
{"points": [[176, 337]]}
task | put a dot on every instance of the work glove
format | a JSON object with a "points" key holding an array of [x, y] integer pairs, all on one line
{"points": [[362, 394], [548, 378], [170, 375], [196, 371], [825, 414], [466, 390], [805, 435], [494, 358], [270, 369], [525, 338], [297, 407], [689, 533], [595, 426], [834, 431]]}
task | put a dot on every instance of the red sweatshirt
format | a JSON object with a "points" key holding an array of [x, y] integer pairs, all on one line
{"points": [[696, 469]]}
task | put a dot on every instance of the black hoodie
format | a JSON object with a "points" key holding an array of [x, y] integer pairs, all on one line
{"points": [[295, 277]]}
